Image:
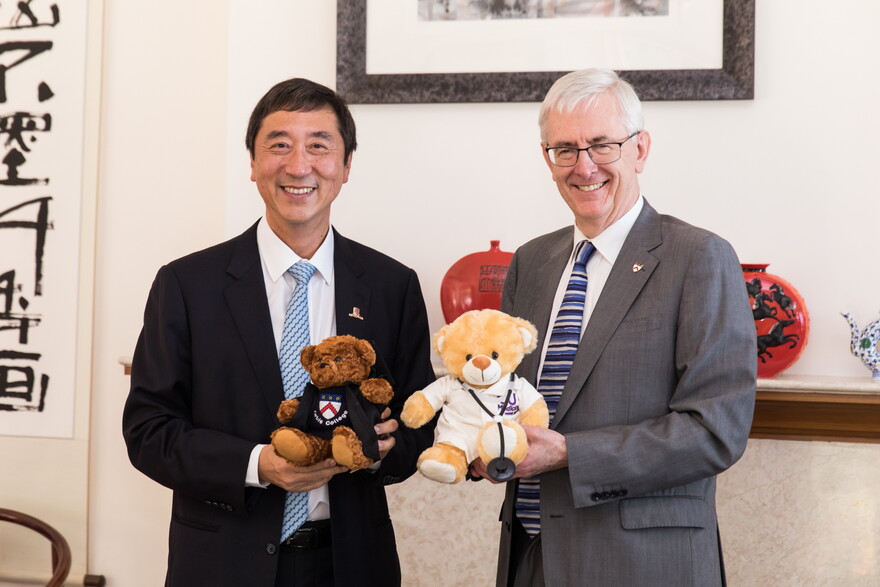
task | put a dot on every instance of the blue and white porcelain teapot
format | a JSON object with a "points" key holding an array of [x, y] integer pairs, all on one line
{"points": [[866, 344]]}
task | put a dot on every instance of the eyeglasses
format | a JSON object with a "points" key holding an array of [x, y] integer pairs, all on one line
{"points": [[600, 154]]}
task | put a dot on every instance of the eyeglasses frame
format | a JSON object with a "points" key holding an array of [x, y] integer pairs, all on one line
{"points": [[587, 149]]}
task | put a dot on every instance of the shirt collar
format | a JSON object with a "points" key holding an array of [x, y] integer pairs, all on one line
{"points": [[610, 241], [278, 257]]}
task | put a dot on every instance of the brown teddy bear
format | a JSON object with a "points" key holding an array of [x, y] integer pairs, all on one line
{"points": [[481, 401], [338, 409]]}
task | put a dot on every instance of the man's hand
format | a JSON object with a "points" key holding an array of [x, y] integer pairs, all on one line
{"points": [[547, 452], [280, 472], [384, 430]]}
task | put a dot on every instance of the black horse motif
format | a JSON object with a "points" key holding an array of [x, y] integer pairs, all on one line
{"points": [[760, 309], [753, 287], [776, 337], [786, 303]]}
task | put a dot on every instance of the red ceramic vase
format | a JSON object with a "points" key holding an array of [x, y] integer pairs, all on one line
{"points": [[781, 319], [474, 282]]}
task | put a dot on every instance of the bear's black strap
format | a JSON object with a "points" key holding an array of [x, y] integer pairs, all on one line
{"points": [[491, 415]]}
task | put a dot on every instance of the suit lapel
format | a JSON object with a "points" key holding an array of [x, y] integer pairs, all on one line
{"points": [[619, 293], [541, 298], [352, 293], [246, 294]]}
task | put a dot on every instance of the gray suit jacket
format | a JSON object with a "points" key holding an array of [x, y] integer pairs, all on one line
{"points": [[658, 402]]}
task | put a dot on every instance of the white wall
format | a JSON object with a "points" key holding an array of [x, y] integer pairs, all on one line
{"points": [[161, 192], [179, 82]]}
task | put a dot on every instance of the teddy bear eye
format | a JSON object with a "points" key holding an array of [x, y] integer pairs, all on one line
{"points": [[338, 359], [494, 355], [468, 357]]}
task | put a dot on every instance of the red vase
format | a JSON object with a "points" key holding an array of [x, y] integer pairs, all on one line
{"points": [[781, 319], [474, 282]]}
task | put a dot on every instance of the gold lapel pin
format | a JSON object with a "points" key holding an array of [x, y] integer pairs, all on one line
{"points": [[356, 313], [637, 267]]}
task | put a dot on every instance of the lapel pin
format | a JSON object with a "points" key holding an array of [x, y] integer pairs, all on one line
{"points": [[637, 267], [356, 313]]}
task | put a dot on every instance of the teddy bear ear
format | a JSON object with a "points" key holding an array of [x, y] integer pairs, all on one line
{"points": [[440, 339], [366, 352], [529, 334], [306, 356]]}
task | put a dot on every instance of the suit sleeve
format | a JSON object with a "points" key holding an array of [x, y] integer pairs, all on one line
{"points": [[157, 420], [412, 371], [709, 410]]}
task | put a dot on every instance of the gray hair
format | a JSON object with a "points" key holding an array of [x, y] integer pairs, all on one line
{"points": [[584, 87]]}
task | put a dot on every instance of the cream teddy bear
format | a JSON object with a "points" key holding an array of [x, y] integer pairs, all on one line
{"points": [[483, 404]]}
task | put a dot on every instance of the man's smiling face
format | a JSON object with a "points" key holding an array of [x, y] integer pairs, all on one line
{"points": [[299, 168], [598, 195]]}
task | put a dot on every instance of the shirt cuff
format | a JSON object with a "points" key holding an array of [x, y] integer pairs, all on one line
{"points": [[252, 479]]}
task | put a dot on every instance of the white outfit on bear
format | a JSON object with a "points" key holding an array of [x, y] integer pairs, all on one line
{"points": [[462, 418]]}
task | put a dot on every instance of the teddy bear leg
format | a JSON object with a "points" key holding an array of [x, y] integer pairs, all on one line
{"points": [[443, 463], [348, 450], [298, 447], [516, 445]]}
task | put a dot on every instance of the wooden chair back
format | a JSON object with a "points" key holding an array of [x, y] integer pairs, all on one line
{"points": [[61, 558]]}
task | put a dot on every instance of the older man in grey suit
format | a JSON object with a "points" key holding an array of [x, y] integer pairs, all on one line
{"points": [[658, 397]]}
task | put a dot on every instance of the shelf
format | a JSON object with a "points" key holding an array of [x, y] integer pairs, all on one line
{"points": [[842, 409]]}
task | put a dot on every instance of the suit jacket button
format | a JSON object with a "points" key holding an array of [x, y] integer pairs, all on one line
{"points": [[604, 495], [622, 493], [271, 548], [595, 497]]}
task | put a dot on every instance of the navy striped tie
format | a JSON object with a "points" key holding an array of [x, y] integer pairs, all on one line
{"points": [[561, 349]]}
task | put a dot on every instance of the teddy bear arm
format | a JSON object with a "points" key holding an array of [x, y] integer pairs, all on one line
{"points": [[378, 391], [287, 410], [536, 415], [417, 411]]}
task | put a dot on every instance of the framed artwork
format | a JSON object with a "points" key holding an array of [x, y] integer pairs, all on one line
{"points": [[44, 56], [659, 56]]}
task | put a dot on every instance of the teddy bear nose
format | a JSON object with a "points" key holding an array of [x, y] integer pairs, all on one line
{"points": [[481, 362]]}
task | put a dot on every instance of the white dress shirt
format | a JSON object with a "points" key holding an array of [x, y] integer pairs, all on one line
{"points": [[276, 258], [608, 245]]}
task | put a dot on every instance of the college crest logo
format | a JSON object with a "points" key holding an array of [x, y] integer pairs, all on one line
{"points": [[329, 405]]}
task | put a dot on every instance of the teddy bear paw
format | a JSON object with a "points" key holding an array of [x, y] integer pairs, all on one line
{"points": [[298, 447], [443, 463], [348, 450], [516, 444], [378, 391]]}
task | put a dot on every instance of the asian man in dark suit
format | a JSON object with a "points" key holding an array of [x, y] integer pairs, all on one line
{"points": [[206, 381], [657, 397]]}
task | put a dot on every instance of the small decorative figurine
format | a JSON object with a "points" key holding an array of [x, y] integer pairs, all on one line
{"points": [[866, 345]]}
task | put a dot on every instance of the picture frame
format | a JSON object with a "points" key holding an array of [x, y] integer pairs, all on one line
{"points": [[733, 81]]}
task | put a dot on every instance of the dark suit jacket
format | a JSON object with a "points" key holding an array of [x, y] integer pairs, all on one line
{"points": [[205, 386], [659, 401]]}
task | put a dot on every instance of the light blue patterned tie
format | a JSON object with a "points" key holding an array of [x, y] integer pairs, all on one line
{"points": [[561, 349], [294, 337]]}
